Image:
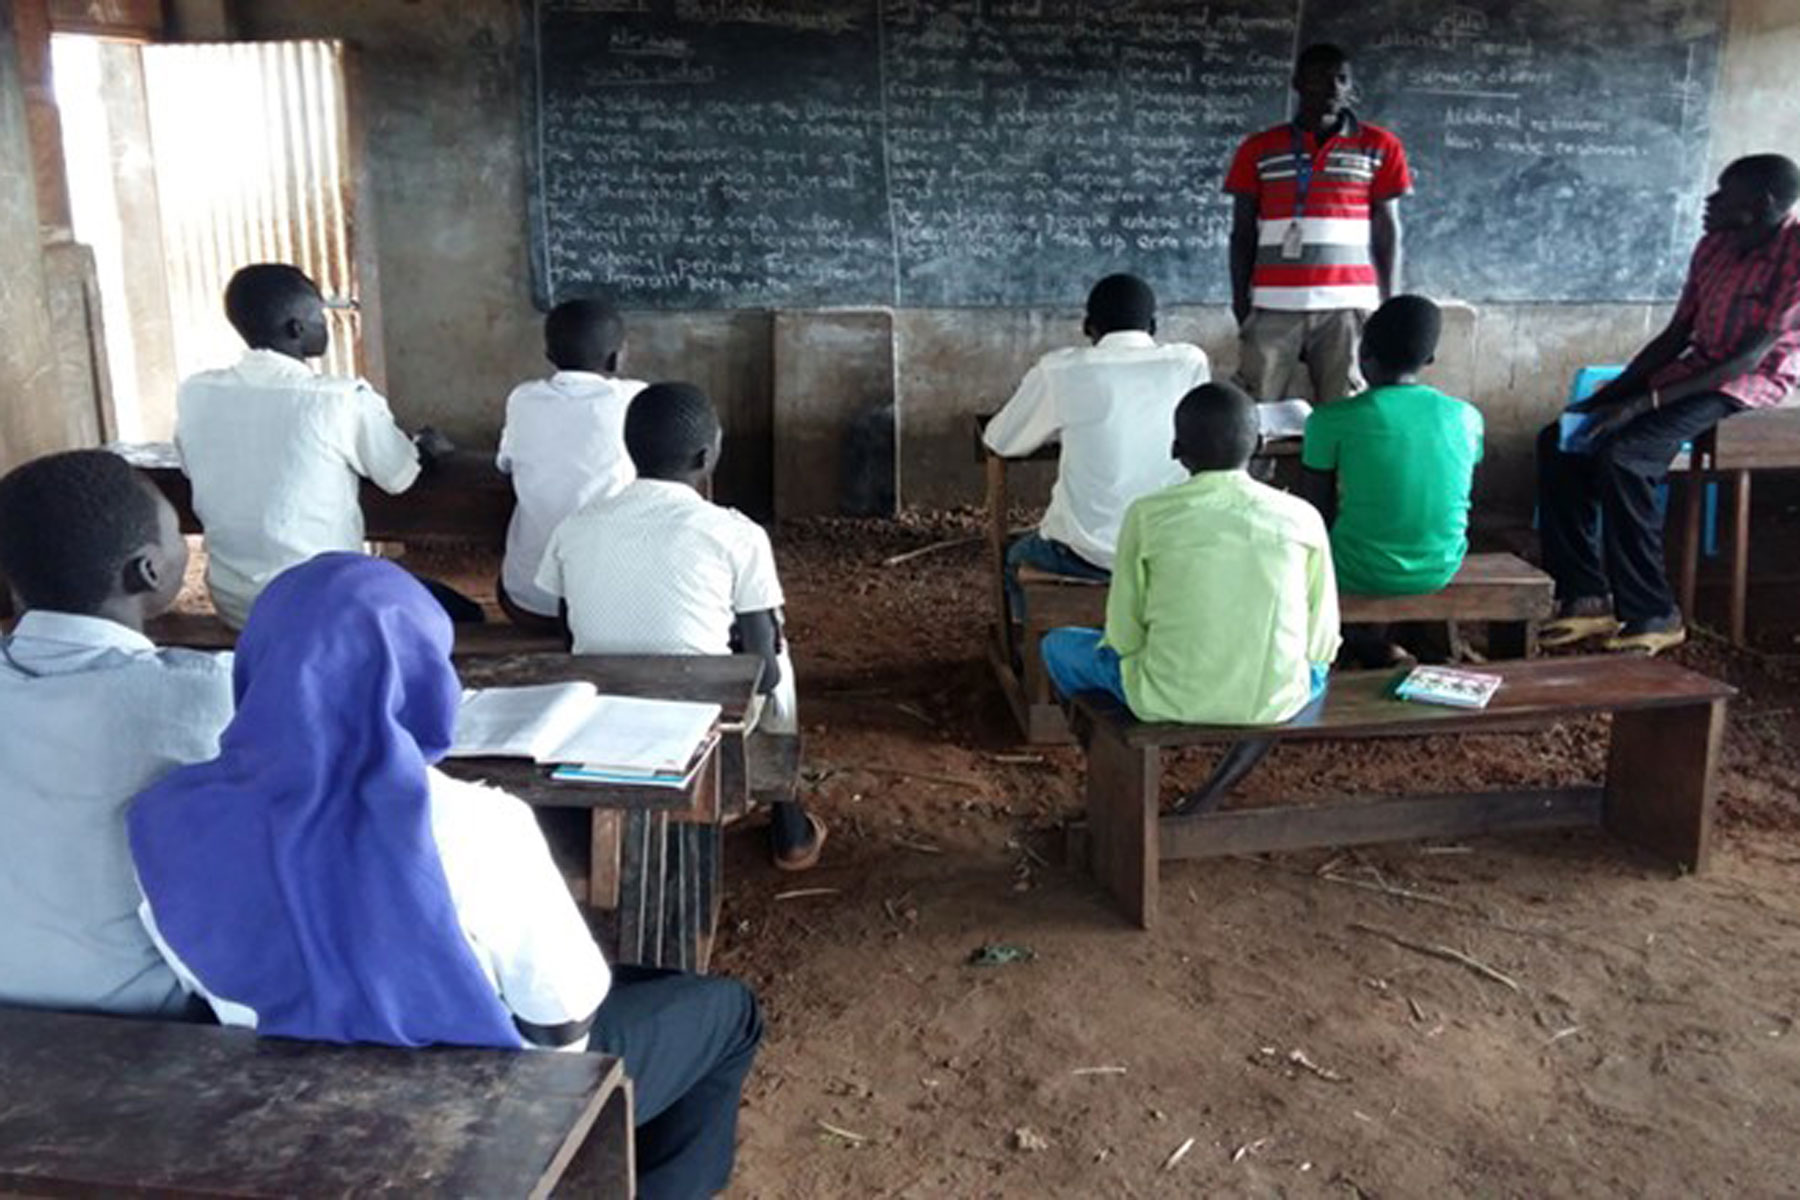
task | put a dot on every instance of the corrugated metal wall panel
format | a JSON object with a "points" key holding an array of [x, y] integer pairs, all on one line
{"points": [[249, 140]]}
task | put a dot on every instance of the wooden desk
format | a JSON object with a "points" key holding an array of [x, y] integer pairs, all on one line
{"points": [[1767, 440], [105, 1106], [462, 498], [654, 853]]}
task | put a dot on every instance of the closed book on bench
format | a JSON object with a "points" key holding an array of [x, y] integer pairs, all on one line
{"points": [[1443, 685], [574, 723]]}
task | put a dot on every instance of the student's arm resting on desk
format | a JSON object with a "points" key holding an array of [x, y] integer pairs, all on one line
{"points": [[1026, 422], [1125, 594], [760, 634], [380, 451]]}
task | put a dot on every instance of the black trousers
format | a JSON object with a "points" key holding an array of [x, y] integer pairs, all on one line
{"points": [[1602, 534], [687, 1041]]}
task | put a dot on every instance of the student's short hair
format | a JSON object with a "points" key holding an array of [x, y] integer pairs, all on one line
{"points": [[1121, 302], [1321, 54], [1216, 427], [584, 332], [68, 525], [667, 426], [1403, 333], [263, 295], [1774, 173]]}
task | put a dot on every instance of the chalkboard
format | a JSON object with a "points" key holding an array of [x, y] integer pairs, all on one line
{"points": [[1560, 145], [951, 153]]}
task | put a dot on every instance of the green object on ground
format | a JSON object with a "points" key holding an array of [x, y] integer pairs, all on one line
{"points": [[1000, 954]]}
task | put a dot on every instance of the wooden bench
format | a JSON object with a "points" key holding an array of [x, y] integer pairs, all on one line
{"points": [[654, 853], [1667, 722], [205, 631], [1505, 591], [462, 499], [106, 1106], [1730, 452]]}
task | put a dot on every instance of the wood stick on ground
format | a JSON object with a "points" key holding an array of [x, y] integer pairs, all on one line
{"points": [[922, 551], [927, 776], [1388, 889], [799, 893], [1180, 1153], [847, 1134], [1098, 1071], [1447, 953]]}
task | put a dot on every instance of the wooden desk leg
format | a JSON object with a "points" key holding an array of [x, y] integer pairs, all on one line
{"points": [[1661, 775], [1740, 555], [1122, 787], [1693, 489], [605, 831], [605, 1164], [1512, 639], [996, 537]]}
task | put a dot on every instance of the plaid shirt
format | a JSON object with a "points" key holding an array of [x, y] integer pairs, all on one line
{"points": [[1732, 297]]}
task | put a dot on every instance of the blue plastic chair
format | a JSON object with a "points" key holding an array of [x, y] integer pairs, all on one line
{"points": [[1589, 380]]}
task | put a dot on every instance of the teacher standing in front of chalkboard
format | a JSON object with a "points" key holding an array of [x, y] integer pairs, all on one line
{"points": [[1315, 236]]}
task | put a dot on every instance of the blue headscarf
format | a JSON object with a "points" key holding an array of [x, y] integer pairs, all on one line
{"points": [[296, 872]]}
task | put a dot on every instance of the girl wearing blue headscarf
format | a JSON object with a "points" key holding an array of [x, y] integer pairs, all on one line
{"points": [[320, 879]]}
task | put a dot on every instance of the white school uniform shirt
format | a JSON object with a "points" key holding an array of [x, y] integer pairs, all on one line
{"points": [[563, 444], [660, 569], [91, 714], [275, 453], [514, 908], [1112, 406]]}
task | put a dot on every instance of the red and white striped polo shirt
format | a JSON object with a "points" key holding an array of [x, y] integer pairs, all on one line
{"points": [[1354, 169]]}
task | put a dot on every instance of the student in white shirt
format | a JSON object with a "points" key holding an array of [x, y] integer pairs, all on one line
{"points": [[90, 713], [320, 879], [563, 444], [659, 569], [1111, 405], [276, 452]]}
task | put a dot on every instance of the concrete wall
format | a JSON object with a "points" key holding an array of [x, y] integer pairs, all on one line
{"points": [[34, 416], [443, 128]]}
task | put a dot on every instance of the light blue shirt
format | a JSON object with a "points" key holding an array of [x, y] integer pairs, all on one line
{"points": [[91, 713]]}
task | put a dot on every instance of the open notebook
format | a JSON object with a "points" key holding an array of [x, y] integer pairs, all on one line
{"points": [[619, 736], [1277, 419]]}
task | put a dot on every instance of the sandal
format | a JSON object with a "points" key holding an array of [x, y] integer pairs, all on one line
{"points": [[806, 859]]}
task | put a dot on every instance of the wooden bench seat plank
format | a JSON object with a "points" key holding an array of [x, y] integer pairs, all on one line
{"points": [[205, 631], [1659, 791], [100, 1104], [1360, 704]]}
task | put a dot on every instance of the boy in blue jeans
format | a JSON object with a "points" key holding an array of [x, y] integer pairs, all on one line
{"points": [[1223, 604]]}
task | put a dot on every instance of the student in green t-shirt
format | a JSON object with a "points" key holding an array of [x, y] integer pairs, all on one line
{"points": [[1391, 468]]}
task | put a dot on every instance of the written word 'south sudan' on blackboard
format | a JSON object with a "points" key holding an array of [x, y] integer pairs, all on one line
{"points": [[964, 153]]}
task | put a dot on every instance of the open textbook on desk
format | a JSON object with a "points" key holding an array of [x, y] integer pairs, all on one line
{"points": [[596, 738]]}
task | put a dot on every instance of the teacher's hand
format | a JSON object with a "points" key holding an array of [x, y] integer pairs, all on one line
{"points": [[1614, 417]]}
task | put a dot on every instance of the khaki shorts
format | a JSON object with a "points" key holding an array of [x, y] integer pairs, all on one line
{"points": [[1273, 344]]}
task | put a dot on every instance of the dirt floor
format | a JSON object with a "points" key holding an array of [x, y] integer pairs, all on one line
{"points": [[1267, 1038]]}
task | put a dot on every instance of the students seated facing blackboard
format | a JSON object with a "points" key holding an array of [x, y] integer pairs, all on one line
{"points": [[276, 451], [563, 443], [321, 880], [659, 569], [1392, 468], [1110, 406], [90, 714], [1223, 605], [1315, 237]]}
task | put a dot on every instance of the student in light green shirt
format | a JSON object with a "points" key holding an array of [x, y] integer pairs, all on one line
{"points": [[1223, 605]]}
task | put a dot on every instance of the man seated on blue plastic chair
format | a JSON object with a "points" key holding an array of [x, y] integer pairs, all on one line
{"points": [[1733, 343], [1110, 405]]}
